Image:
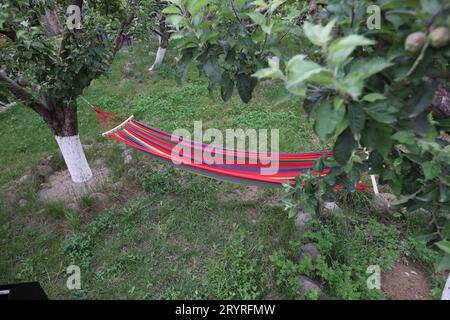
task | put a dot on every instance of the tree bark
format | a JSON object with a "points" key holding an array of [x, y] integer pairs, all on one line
{"points": [[441, 103], [64, 124]]}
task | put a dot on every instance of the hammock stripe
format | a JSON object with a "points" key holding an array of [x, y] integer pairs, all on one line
{"points": [[243, 167]]}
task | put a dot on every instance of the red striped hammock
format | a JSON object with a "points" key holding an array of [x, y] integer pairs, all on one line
{"points": [[242, 167]]}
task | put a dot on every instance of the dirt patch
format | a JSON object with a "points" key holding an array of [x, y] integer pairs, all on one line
{"points": [[247, 194], [62, 188], [38, 221], [406, 281], [251, 214]]}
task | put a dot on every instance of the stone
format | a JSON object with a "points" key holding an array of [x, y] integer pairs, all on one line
{"points": [[301, 220], [307, 284], [118, 185], [382, 202], [87, 147], [128, 70], [25, 179], [100, 198], [311, 250], [72, 206], [99, 162], [128, 159], [47, 160], [45, 186], [44, 170], [330, 207], [23, 203], [133, 172]]}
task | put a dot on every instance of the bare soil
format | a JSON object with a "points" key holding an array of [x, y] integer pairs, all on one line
{"points": [[406, 281], [62, 188]]}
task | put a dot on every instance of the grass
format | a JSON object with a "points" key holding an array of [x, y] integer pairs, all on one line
{"points": [[169, 234]]}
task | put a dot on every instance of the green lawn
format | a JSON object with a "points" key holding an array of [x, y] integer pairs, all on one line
{"points": [[168, 234]]}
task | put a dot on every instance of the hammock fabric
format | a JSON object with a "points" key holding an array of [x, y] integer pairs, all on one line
{"points": [[244, 167]]}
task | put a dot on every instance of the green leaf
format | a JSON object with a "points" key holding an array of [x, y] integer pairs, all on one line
{"points": [[357, 119], [430, 170], [174, 19], [405, 137], [213, 71], [318, 34], [171, 10], [327, 119], [381, 112], [272, 72], [443, 264], [344, 147], [446, 230], [260, 20], [420, 101], [340, 50], [298, 71], [183, 65], [246, 84], [444, 245], [372, 97], [194, 6], [363, 69], [378, 137], [257, 18], [226, 86], [444, 195]]}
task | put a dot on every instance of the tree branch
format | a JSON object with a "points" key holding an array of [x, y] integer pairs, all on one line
{"points": [[23, 95], [11, 34], [236, 14], [118, 42], [436, 14]]}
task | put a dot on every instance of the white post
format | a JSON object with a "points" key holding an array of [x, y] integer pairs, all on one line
{"points": [[374, 184], [74, 157]]}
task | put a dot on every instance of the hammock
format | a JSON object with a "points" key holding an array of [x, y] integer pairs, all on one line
{"points": [[242, 167]]}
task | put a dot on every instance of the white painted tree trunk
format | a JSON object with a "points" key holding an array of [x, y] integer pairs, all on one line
{"points": [[160, 54], [74, 157]]}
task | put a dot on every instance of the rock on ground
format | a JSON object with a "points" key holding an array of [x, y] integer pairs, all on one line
{"points": [[101, 199], [383, 202], [23, 203], [330, 207], [44, 170], [307, 284], [311, 250], [24, 180], [64, 189], [301, 220]]}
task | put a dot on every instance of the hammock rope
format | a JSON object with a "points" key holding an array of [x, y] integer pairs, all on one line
{"points": [[243, 167]]}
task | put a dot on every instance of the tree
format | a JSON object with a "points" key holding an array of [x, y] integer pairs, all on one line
{"points": [[368, 91], [151, 20], [46, 65]]}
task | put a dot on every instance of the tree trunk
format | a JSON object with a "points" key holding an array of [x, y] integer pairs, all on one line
{"points": [[163, 43], [63, 123], [441, 103]]}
